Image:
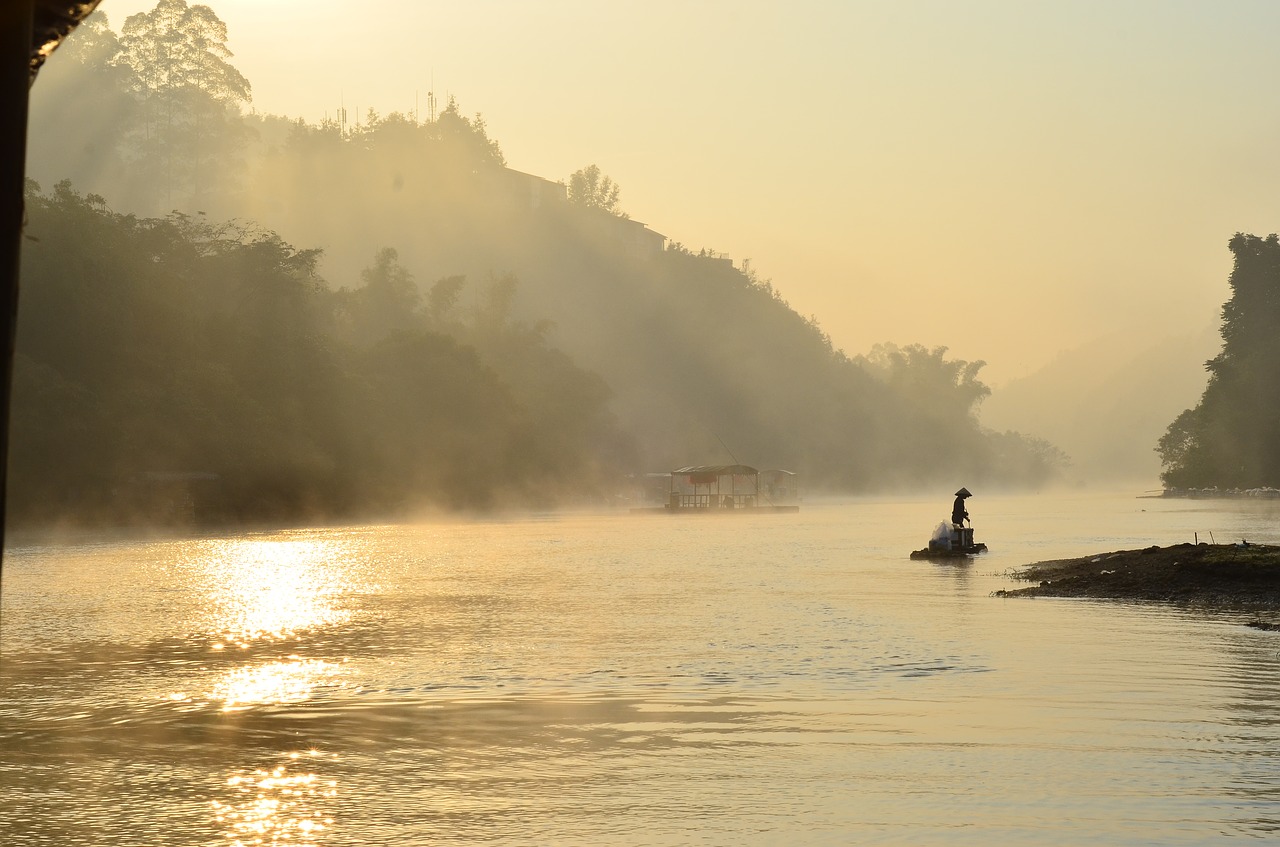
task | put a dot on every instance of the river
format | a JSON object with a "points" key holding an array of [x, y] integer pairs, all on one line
{"points": [[602, 678]]}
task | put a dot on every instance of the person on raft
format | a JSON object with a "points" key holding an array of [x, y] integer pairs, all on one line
{"points": [[958, 513]]}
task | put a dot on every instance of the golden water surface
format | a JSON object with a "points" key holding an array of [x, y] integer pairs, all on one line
{"points": [[615, 679]]}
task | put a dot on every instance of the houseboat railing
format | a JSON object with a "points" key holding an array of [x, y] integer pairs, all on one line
{"points": [[712, 501]]}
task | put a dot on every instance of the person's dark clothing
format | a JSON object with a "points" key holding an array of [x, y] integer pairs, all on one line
{"points": [[958, 513]]}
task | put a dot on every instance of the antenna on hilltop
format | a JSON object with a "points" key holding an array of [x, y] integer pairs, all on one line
{"points": [[431, 97]]}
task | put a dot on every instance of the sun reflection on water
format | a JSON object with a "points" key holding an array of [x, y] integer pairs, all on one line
{"points": [[289, 681], [273, 589], [284, 805]]}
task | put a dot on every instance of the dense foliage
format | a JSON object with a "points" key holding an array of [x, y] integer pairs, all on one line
{"points": [[469, 335], [1231, 439], [153, 349]]}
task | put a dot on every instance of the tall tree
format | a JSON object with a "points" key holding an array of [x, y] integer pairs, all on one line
{"points": [[190, 94], [387, 303], [590, 188], [926, 377], [465, 138]]}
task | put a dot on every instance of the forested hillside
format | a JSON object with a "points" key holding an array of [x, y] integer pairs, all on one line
{"points": [[153, 347], [361, 319], [1231, 439]]}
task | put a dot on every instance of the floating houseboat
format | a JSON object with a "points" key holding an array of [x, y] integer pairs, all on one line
{"points": [[726, 489]]}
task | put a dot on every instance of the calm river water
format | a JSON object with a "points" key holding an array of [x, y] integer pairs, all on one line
{"points": [[601, 679]]}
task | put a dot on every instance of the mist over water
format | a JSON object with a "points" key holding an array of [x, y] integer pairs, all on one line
{"points": [[300, 254], [633, 679]]}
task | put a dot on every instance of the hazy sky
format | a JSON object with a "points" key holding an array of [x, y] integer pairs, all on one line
{"points": [[1007, 179]]}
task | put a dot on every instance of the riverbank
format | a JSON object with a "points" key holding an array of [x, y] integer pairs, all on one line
{"points": [[1236, 577]]}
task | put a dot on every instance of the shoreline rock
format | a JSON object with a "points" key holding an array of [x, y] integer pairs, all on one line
{"points": [[1217, 577]]}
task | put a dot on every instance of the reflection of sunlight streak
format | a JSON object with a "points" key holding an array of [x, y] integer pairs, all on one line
{"points": [[276, 807], [271, 589], [274, 682]]}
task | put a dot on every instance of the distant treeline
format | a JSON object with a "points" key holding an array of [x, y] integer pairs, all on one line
{"points": [[1231, 439], [476, 337]]}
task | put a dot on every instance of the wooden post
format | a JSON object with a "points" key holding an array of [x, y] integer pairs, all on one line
{"points": [[16, 26]]}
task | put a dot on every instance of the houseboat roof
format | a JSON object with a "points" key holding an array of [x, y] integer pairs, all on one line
{"points": [[719, 470]]}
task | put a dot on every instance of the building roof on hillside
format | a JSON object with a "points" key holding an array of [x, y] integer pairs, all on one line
{"points": [[524, 175]]}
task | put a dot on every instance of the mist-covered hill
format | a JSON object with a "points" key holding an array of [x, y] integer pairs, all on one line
{"points": [[1106, 403], [339, 319]]}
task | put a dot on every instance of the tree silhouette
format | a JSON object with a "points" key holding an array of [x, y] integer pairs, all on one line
{"points": [[189, 91], [590, 188], [1232, 437]]}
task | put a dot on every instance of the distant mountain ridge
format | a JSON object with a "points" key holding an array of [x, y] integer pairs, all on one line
{"points": [[1107, 402]]}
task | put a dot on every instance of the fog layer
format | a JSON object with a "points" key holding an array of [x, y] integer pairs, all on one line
{"points": [[379, 314]]}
